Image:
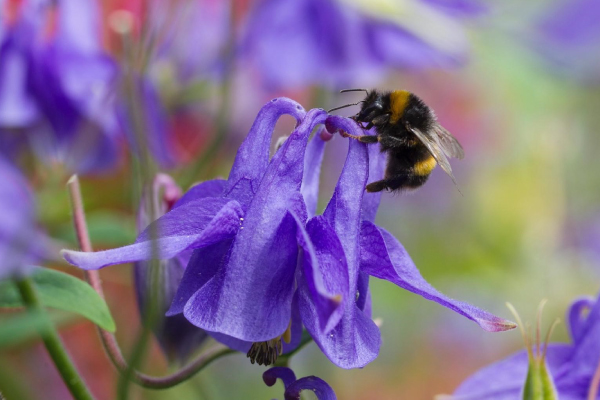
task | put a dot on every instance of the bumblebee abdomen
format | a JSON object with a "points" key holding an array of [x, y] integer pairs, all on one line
{"points": [[424, 167]]}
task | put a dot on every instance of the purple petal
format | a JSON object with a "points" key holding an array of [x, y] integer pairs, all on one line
{"points": [[252, 305], [203, 265], [343, 211], [17, 107], [243, 346], [312, 170], [355, 340], [587, 351], [353, 343], [395, 47], [577, 320], [316, 385], [573, 23], [212, 188], [250, 298], [189, 219], [383, 257], [78, 25], [286, 375], [224, 225], [377, 163], [460, 8], [325, 271], [504, 380], [19, 240], [252, 157]]}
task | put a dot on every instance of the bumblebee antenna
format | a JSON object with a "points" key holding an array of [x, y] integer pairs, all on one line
{"points": [[354, 90], [347, 105]]}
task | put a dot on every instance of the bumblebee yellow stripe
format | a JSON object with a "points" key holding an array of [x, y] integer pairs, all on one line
{"points": [[398, 102], [424, 168]]}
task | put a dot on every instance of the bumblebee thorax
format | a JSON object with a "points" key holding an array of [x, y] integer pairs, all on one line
{"points": [[398, 101]]}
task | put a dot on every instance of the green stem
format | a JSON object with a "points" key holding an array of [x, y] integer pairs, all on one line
{"points": [[54, 345]]}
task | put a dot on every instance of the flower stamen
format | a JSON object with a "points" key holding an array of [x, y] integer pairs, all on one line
{"points": [[266, 353]]}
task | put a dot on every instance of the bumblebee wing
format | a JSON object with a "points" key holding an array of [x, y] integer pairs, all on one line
{"points": [[435, 148], [448, 143]]}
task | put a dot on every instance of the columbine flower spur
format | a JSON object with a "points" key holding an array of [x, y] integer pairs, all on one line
{"points": [[261, 268]]}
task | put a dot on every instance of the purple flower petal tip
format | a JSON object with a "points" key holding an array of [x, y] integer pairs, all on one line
{"points": [[325, 135], [495, 324]]}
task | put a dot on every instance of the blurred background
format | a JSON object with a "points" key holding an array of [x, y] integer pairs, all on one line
{"points": [[116, 90]]}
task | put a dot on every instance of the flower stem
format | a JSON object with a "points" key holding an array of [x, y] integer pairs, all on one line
{"points": [[54, 345], [111, 346]]}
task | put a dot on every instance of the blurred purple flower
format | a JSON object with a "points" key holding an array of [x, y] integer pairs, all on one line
{"points": [[571, 366], [20, 243], [569, 36], [145, 122], [177, 337], [343, 43], [193, 50], [293, 386], [55, 84]]}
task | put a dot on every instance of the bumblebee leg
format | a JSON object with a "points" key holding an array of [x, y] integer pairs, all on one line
{"points": [[377, 186], [361, 138], [369, 126]]}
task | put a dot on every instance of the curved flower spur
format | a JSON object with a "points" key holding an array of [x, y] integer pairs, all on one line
{"points": [[347, 233], [240, 280]]}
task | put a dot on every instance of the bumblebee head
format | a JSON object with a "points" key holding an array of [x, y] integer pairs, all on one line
{"points": [[373, 106]]}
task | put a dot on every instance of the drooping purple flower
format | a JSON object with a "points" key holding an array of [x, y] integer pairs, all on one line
{"points": [[20, 243], [240, 283], [55, 84], [568, 34], [176, 336], [572, 365], [293, 387], [337, 43], [347, 233], [240, 280]]}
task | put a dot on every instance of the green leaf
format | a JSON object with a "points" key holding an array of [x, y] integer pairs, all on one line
{"points": [[21, 327], [65, 292]]}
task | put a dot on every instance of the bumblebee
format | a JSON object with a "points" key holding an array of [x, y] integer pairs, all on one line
{"points": [[408, 131]]}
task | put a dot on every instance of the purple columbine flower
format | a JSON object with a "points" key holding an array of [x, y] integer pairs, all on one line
{"points": [[20, 243], [55, 84], [293, 387], [337, 43], [571, 365], [240, 283], [177, 337]]}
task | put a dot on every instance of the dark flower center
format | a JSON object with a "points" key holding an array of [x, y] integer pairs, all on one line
{"points": [[266, 353]]}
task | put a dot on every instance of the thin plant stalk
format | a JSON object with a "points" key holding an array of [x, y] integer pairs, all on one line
{"points": [[54, 345]]}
